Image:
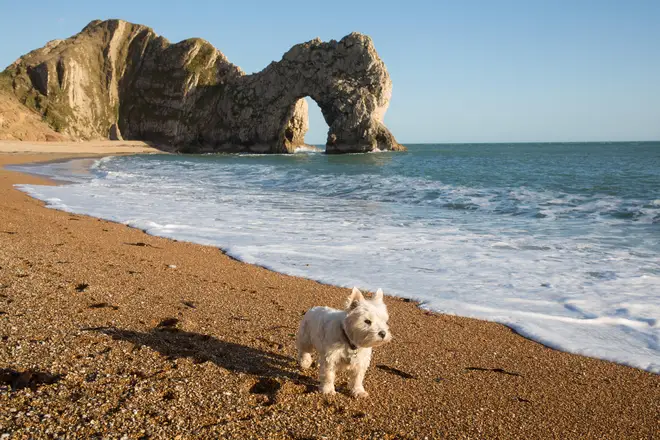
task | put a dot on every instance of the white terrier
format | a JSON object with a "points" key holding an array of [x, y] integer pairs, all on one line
{"points": [[344, 339]]}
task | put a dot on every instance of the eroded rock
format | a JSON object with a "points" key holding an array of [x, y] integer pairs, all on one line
{"points": [[116, 79]]}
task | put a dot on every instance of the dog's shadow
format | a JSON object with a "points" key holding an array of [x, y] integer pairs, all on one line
{"points": [[176, 344]]}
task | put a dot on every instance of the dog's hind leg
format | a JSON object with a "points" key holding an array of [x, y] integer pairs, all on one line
{"points": [[304, 346]]}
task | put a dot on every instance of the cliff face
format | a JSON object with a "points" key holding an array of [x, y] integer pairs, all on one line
{"points": [[116, 79]]}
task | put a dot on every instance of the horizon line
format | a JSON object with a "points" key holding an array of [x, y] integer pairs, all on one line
{"points": [[518, 142]]}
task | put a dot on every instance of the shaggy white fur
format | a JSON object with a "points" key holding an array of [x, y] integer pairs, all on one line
{"points": [[344, 339]]}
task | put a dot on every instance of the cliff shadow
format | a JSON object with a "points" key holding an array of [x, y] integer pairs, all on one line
{"points": [[177, 344]]}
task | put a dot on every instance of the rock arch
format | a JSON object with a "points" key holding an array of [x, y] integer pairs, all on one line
{"points": [[347, 80]]}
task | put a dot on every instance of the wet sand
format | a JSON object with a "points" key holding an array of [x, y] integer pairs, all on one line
{"points": [[107, 331]]}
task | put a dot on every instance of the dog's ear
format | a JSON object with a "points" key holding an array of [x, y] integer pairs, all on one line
{"points": [[378, 296], [354, 298]]}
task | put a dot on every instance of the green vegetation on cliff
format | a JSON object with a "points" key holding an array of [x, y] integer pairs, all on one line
{"points": [[201, 64], [5, 82]]}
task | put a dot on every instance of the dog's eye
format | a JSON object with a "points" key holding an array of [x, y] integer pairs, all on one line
{"points": [[366, 321]]}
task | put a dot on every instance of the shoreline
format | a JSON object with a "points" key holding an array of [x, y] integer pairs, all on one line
{"points": [[467, 364]]}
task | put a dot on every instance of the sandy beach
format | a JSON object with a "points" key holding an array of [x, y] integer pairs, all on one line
{"points": [[71, 147], [106, 331]]}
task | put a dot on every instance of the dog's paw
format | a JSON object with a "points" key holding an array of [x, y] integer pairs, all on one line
{"points": [[328, 390], [359, 393], [305, 361]]}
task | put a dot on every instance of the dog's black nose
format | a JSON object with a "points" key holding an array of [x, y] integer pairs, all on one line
{"points": [[382, 334]]}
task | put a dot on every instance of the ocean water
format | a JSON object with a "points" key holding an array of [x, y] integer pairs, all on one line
{"points": [[561, 242]]}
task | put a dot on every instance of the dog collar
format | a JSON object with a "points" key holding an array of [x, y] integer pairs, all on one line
{"points": [[348, 340]]}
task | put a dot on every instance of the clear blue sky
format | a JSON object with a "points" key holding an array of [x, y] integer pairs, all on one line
{"points": [[463, 71]]}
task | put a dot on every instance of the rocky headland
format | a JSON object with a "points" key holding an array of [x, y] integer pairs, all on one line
{"points": [[118, 80]]}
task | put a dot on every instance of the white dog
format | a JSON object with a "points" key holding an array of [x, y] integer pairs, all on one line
{"points": [[344, 339]]}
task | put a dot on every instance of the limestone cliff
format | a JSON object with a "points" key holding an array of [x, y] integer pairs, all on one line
{"points": [[116, 79]]}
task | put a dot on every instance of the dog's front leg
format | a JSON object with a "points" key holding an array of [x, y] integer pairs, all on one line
{"points": [[357, 372], [357, 389], [356, 378], [327, 375]]}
